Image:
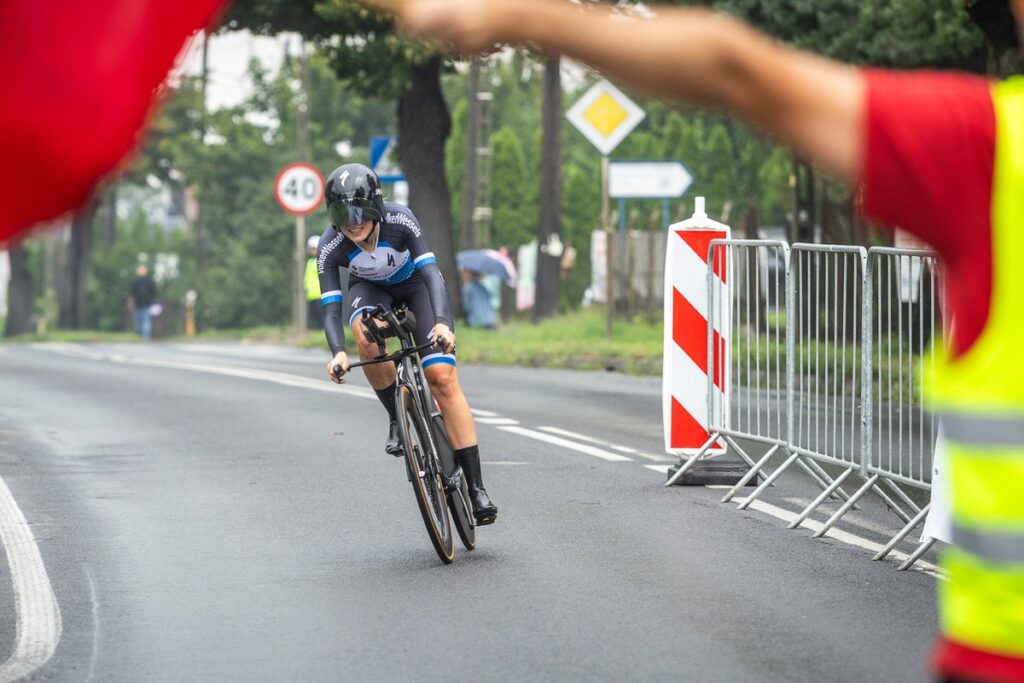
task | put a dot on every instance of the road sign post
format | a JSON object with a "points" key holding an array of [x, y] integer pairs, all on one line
{"points": [[299, 189], [605, 117]]}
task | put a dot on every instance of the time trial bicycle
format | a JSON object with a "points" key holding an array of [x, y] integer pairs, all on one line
{"points": [[442, 492]]}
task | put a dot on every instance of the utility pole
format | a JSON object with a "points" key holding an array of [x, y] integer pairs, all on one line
{"points": [[302, 148], [484, 123], [469, 177], [549, 244], [477, 201], [203, 115]]}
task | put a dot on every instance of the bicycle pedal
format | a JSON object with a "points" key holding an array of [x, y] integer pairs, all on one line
{"points": [[484, 520]]}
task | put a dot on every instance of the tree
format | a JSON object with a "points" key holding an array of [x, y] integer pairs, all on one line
{"points": [[514, 218], [19, 293], [581, 207], [903, 34], [548, 269], [72, 277], [370, 58], [718, 164], [455, 155]]}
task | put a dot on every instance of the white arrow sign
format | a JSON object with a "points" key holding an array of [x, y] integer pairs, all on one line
{"points": [[647, 179]]}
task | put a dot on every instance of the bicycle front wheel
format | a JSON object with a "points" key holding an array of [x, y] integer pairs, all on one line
{"points": [[424, 471]]}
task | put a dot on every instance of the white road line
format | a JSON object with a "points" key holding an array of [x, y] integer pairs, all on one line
{"points": [[95, 625], [38, 623], [497, 421], [319, 385], [231, 371], [589, 439], [663, 469], [839, 535], [565, 443]]}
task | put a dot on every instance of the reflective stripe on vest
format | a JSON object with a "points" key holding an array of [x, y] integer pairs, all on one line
{"points": [[1006, 547], [980, 398], [997, 431]]}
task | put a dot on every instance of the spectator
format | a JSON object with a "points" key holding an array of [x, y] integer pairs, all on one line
{"points": [[311, 282], [143, 296], [476, 301]]}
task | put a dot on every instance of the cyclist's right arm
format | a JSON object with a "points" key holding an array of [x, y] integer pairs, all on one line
{"points": [[330, 257]]}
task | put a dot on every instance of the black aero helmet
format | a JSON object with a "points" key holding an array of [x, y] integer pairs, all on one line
{"points": [[353, 195]]}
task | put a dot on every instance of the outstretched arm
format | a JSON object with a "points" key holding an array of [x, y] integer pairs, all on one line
{"points": [[692, 55]]}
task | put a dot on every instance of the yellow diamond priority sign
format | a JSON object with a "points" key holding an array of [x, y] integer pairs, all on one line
{"points": [[605, 116]]}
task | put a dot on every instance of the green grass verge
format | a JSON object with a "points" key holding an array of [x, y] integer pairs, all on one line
{"points": [[576, 340]]}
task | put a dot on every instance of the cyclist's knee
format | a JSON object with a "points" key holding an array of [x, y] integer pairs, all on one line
{"points": [[367, 348], [443, 380]]}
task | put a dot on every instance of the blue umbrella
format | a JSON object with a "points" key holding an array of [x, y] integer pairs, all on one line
{"points": [[487, 262]]}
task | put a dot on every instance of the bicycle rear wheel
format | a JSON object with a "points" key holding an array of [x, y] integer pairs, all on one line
{"points": [[458, 502], [424, 471]]}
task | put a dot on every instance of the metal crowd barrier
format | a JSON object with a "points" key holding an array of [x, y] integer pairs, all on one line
{"points": [[820, 362], [902, 299]]}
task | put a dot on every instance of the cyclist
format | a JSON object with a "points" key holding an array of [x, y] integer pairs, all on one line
{"points": [[389, 262]]}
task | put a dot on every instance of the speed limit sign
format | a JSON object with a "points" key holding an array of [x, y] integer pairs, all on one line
{"points": [[299, 189]]}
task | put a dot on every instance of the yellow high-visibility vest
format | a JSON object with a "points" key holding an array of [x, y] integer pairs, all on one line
{"points": [[311, 280], [980, 399]]}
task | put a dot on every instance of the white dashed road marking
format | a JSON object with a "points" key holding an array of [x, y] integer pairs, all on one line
{"points": [[621, 449], [565, 443], [497, 421]]}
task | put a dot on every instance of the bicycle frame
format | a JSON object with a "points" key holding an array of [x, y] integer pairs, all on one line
{"points": [[410, 373]]}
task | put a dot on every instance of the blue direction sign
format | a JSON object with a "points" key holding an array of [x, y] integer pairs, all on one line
{"points": [[383, 159]]}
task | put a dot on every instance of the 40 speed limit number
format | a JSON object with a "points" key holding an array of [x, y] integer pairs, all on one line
{"points": [[299, 189]]}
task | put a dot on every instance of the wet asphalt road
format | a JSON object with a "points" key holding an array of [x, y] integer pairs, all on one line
{"points": [[222, 513]]}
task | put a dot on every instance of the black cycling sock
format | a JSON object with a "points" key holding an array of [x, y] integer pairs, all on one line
{"points": [[469, 459], [387, 398], [468, 451]]}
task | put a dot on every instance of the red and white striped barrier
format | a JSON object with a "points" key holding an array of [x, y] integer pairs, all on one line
{"points": [[685, 365]]}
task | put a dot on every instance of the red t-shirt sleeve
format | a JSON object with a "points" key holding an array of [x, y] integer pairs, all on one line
{"points": [[928, 167]]}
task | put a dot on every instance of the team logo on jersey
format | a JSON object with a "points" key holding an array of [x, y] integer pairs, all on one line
{"points": [[355, 302], [322, 256], [402, 219]]}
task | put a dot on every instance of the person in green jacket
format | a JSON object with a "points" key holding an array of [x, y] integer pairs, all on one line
{"points": [[311, 282]]}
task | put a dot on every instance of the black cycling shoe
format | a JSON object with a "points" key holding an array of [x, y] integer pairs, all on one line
{"points": [[484, 511], [393, 445]]}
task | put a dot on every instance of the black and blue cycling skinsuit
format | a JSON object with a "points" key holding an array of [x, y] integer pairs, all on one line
{"points": [[401, 269]]}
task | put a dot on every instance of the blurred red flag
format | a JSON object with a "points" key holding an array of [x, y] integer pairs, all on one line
{"points": [[77, 80]]}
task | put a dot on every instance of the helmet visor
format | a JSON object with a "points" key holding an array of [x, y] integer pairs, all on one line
{"points": [[353, 211]]}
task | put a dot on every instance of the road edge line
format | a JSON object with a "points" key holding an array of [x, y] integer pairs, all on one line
{"points": [[37, 614]]}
